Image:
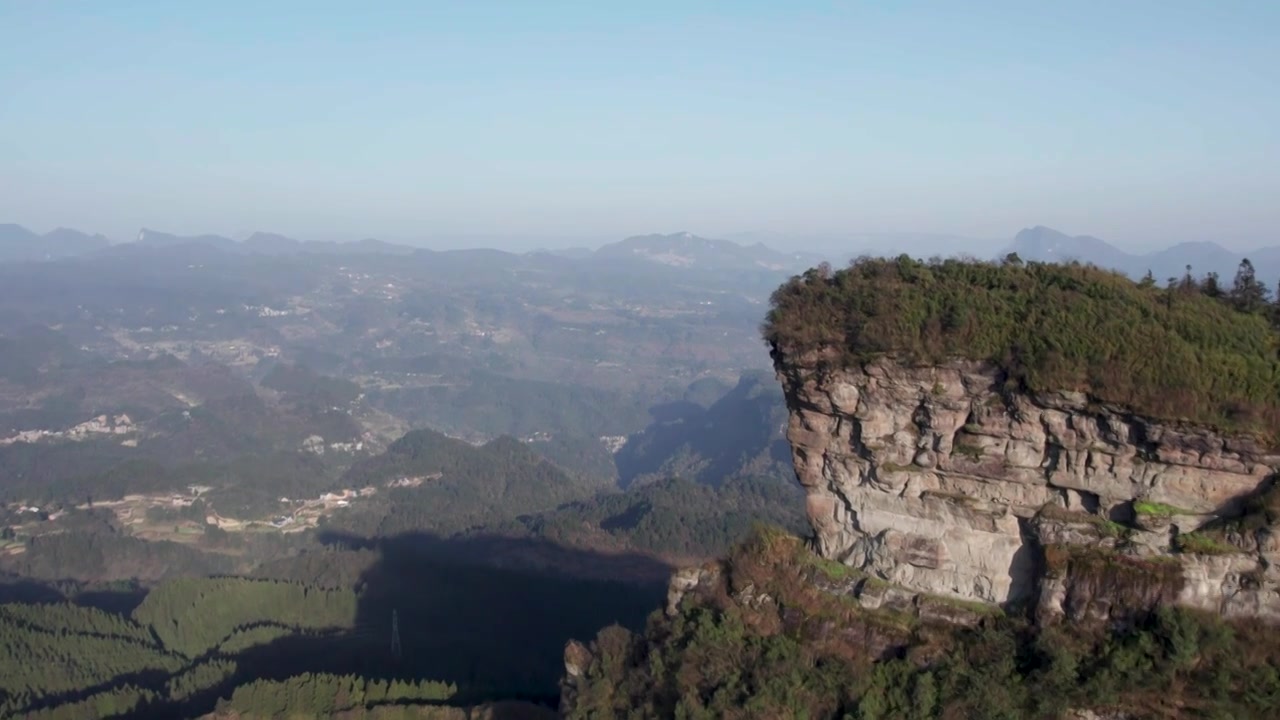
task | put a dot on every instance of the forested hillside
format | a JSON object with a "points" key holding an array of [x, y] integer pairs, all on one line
{"points": [[456, 485], [673, 517], [187, 642], [776, 635], [740, 433], [256, 648], [1195, 349]]}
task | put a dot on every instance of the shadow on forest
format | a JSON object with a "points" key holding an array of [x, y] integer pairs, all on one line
{"points": [[120, 601], [490, 614], [22, 590]]}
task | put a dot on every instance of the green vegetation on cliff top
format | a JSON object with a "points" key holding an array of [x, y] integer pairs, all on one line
{"points": [[1192, 350]]}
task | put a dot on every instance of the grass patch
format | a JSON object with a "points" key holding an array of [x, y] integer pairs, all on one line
{"points": [[1084, 560], [1105, 527], [898, 620], [831, 568], [1142, 507], [1112, 528], [871, 582], [973, 606], [895, 467], [1202, 544]]}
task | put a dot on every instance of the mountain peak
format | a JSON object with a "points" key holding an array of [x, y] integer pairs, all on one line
{"points": [[271, 242], [687, 250], [1045, 244], [147, 236], [19, 243]]}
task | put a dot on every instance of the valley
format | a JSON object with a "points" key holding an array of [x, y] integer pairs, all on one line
{"points": [[443, 453]]}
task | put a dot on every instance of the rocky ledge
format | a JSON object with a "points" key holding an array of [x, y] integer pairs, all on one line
{"points": [[943, 480]]}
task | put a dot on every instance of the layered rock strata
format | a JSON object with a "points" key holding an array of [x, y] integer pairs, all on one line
{"points": [[943, 480]]}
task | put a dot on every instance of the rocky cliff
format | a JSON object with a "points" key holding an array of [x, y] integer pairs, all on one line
{"points": [[942, 480], [939, 489]]}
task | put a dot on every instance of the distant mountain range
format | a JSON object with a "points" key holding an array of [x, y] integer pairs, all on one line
{"points": [[1048, 245], [677, 250], [19, 243], [839, 248], [689, 251], [686, 250], [273, 244]]}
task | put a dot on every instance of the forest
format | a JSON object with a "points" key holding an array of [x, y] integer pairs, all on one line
{"points": [[1194, 349], [366, 627], [672, 517], [235, 647], [461, 486], [187, 638], [775, 643]]}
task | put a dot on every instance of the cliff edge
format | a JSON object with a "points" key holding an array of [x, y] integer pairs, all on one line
{"points": [[947, 462], [934, 479]]}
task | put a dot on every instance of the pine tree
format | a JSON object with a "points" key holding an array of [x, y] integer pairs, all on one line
{"points": [[1210, 285], [1247, 294], [1274, 308], [1188, 281]]}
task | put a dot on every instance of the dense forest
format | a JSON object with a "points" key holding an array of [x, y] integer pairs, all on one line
{"points": [[246, 648], [368, 628], [673, 517], [459, 486], [186, 639], [776, 638], [1194, 349], [323, 694]]}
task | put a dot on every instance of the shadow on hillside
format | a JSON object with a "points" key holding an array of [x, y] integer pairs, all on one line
{"points": [[490, 614], [23, 590], [676, 412], [118, 600]]}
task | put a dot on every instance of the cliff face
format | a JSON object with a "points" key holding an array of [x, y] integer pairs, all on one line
{"points": [[940, 481]]}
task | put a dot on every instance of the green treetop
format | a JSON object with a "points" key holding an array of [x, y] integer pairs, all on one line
{"points": [[1186, 351]]}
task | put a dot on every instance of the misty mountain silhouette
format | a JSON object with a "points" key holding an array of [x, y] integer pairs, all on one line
{"points": [[1048, 245]]}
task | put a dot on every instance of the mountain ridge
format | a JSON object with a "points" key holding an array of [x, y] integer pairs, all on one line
{"points": [[17, 243], [688, 251], [1044, 244]]}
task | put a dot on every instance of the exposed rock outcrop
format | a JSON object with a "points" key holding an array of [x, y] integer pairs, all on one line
{"points": [[943, 480]]}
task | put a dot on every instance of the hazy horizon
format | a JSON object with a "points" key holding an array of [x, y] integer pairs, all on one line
{"points": [[836, 245], [557, 124]]}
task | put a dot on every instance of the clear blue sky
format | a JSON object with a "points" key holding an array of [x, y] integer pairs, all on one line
{"points": [[1140, 121]]}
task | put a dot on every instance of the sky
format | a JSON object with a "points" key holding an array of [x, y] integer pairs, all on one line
{"points": [[1146, 123]]}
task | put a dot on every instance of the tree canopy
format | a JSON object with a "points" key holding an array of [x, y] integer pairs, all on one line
{"points": [[1186, 351]]}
